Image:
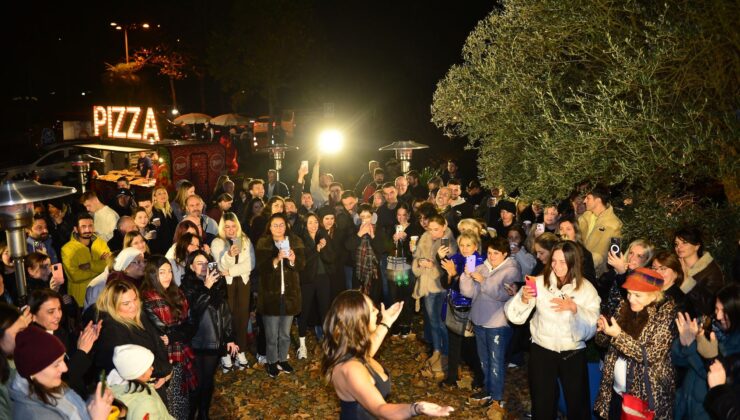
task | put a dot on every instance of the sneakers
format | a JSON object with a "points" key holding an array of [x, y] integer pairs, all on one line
{"points": [[241, 361], [272, 369], [285, 367], [261, 359], [480, 396], [226, 364], [302, 352]]}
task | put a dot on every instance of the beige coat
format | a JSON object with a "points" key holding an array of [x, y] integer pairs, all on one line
{"points": [[607, 226], [428, 279]]}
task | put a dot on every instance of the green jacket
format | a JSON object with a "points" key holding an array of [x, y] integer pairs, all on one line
{"points": [[141, 403]]}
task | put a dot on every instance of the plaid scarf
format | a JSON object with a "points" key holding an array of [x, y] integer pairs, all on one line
{"points": [[178, 352], [366, 265]]}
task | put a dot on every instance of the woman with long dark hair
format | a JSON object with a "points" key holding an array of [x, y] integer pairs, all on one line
{"points": [[353, 336], [167, 308], [401, 289], [280, 257], [567, 307], [186, 244], [249, 212], [315, 287], [702, 275], [209, 309]]}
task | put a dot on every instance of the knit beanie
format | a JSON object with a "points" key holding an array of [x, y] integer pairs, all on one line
{"points": [[644, 280], [35, 350], [125, 257], [324, 211], [131, 361]]}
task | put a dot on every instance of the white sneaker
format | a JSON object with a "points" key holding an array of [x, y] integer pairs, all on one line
{"points": [[302, 352], [226, 364], [241, 361], [261, 359]]}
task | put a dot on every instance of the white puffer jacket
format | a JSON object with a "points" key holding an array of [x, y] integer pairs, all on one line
{"points": [[558, 331]]}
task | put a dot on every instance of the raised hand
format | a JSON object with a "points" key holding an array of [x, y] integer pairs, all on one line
{"points": [[688, 328], [391, 314]]}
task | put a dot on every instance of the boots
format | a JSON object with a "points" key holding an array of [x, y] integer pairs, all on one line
{"points": [[433, 367]]}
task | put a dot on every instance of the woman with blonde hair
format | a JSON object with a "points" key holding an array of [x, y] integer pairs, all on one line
{"points": [[234, 253], [119, 308], [136, 240], [352, 337], [639, 338], [163, 219], [184, 190], [639, 253]]}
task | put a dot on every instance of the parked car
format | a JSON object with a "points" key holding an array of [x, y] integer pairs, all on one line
{"points": [[52, 164]]}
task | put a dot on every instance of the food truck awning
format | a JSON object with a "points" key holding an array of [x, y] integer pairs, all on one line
{"points": [[114, 148]]}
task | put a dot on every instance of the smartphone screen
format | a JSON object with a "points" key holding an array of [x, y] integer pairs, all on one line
{"points": [[304, 164], [103, 383], [57, 274], [470, 264], [445, 241], [532, 283]]}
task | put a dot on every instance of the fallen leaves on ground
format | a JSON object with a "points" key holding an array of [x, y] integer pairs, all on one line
{"points": [[251, 394]]}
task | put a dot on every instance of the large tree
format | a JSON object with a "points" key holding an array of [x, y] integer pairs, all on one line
{"points": [[639, 94]]}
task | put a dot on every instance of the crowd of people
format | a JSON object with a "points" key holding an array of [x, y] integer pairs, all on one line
{"points": [[135, 305]]}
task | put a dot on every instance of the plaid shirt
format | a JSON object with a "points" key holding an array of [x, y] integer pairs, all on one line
{"points": [[178, 352], [366, 266]]}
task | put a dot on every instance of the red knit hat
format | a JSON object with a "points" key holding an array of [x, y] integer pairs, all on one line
{"points": [[35, 350], [644, 280]]}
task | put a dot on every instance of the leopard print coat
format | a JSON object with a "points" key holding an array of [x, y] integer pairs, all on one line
{"points": [[657, 337]]}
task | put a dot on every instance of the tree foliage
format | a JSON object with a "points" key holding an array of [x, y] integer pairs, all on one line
{"points": [[632, 92]]}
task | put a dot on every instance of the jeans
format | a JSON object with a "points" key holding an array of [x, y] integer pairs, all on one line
{"points": [[491, 344], [277, 337], [433, 304]]}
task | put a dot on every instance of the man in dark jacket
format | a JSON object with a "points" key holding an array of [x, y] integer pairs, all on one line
{"points": [[275, 187]]}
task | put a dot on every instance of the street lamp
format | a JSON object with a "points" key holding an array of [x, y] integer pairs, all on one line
{"points": [[404, 149], [277, 153], [16, 214], [125, 28]]}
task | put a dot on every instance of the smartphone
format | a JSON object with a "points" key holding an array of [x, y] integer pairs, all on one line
{"points": [[212, 266], [304, 165], [103, 383], [57, 274], [284, 247], [616, 246], [532, 283], [470, 264], [238, 243], [399, 228], [446, 242], [540, 229]]}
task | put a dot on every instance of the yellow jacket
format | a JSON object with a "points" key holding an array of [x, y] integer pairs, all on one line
{"points": [[75, 254], [606, 226]]}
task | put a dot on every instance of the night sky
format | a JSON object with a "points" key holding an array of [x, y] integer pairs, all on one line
{"points": [[381, 65]]}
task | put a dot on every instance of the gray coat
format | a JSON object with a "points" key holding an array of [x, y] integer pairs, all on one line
{"points": [[69, 407]]}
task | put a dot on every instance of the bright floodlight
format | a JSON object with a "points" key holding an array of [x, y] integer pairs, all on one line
{"points": [[331, 141]]}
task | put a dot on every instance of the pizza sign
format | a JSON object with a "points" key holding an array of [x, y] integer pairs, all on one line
{"points": [[123, 122]]}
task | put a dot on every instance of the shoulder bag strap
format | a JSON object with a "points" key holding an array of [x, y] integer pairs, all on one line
{"points": [[646, 377]]}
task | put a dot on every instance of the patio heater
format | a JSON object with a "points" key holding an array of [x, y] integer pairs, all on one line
{"points": [[16, 214], [277, 153], [404, 149], [81, 168]]}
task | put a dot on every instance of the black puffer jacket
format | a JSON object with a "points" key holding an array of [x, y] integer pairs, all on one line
{"points": [[209, 312]]}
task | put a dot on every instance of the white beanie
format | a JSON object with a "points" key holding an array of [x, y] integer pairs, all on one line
{"points": [[132, 361], [125, 257]]}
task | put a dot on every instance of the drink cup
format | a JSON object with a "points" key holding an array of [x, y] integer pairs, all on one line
{"points": [[412, 243]]}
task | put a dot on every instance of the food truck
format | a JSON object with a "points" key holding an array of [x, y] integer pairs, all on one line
{"points": [[120, 133]]}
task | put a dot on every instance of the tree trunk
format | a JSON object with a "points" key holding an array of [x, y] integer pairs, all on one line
{"points": [[174, 94]]}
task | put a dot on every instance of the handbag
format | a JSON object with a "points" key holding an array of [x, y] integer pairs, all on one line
{"points": [[634, 408], [457, 318], [398, 269]]}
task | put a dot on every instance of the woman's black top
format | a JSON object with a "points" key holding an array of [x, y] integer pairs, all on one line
{"points": [[352, 410]]}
